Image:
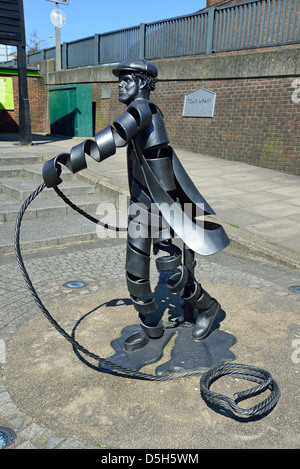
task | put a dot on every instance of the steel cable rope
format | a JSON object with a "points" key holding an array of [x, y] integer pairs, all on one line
{"points": [[249, 373], [86, 215], [246, 372]]}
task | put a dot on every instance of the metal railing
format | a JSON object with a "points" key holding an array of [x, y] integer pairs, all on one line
{"points": [[255, 24], [249, 25], [186, 35]]}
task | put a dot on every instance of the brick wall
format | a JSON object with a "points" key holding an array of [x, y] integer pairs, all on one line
{"points": [[255, 120], [9, 120]]}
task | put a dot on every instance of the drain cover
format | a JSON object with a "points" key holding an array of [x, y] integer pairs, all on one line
{"points": [[295, 288], [75, 284], [7, 437]]}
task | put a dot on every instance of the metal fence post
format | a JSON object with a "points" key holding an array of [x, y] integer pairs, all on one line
{"points": [[64, 56], [96, 49], [210, 30], [142, 40]]}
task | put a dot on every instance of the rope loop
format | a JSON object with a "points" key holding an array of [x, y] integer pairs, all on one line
{"points": [[250, 373]]}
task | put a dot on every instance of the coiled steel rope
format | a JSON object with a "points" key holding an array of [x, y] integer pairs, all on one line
{"points": [[242, 371], [250, 373]]}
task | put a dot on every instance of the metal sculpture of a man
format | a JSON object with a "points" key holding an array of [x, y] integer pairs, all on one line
{"points": [[164, 197]]}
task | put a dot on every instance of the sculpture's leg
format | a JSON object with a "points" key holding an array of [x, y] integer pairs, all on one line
{"points": [[138, 283], [197, 300]]}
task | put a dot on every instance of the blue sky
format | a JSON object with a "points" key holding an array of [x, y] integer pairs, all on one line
{"points": [[89, 17]]}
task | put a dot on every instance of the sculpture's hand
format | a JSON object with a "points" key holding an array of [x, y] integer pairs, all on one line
{"points": [[75, 161], [51, 172]]}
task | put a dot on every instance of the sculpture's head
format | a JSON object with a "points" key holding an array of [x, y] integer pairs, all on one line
{"points": [[136, 79]]}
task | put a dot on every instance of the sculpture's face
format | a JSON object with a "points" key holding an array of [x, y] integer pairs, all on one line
{"points": [[128, 88]]}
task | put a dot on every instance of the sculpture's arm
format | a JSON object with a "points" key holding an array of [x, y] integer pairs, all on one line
{"points": [[136, 117]]}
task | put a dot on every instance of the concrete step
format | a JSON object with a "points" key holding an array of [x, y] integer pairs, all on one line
{"points": [[11, 171], [49, 208], [41, 233], [33, 172], [48, 221], [21, 188], [7, 160]]}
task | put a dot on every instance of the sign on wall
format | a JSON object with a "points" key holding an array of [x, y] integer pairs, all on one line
{"points": [[199, 103], [6, 94]]}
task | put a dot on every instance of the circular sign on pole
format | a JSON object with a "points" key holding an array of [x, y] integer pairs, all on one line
{"points": [[58, 18]]}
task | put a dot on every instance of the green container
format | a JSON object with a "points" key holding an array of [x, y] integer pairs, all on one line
{"points": [[71, 110]]}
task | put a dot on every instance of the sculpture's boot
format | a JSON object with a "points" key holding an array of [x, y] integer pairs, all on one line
{"points": [[208, 309], [150, 328], [148, 331]]}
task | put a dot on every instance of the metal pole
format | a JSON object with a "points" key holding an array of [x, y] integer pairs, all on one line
{"points": [[25, 136], [57, 47], [210, 30], [24, 111]]}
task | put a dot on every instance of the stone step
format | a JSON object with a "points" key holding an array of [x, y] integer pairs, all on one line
{"points": [[41, 233], [33, 172], [48, 220], [21, 188], [49, 208], [11, 171], [7, 160]]}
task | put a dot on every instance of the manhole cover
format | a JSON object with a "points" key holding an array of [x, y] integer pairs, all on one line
{"points": [[295, 288], [7, 437], [75, 284]]}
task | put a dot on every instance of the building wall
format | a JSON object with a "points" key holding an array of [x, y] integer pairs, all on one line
{"points": [[9, 120], [257, 110], [255, 121]]}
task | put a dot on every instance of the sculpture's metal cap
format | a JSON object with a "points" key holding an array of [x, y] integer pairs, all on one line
{"points": [[137, 65]]}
